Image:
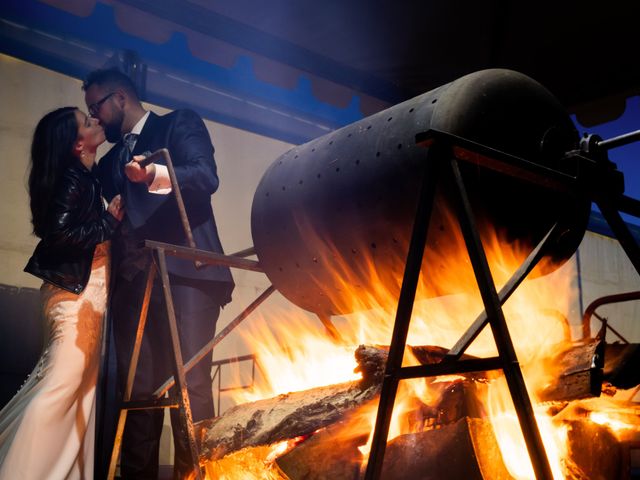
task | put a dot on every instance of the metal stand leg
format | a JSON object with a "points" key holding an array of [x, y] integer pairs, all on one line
{"points": [[133, 365], [498, 324], [403, 314], [217, 339], [516, 279], [183, 404], [507, 360], [621, 231], [183, 396]]}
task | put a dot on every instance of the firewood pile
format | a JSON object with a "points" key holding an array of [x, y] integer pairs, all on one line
{"points": [[451, 437]]}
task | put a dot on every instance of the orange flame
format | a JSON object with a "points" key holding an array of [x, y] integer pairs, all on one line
{"points": [[615, 424], [295, 354], [511, 441], [255, 463]]}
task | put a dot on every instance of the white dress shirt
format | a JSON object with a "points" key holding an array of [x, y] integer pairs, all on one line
{"points": [[161, 183]]}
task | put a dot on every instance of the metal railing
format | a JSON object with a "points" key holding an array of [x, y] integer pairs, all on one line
{"points": [[216, 374]]}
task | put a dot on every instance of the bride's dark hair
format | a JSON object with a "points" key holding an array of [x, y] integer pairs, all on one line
{"points": [[51, 152]]}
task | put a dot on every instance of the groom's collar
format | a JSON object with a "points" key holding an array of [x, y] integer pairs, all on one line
{"points": [[137, 128]]}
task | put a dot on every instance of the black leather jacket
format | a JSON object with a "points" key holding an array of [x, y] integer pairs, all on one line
{"points": [[77, 223]]}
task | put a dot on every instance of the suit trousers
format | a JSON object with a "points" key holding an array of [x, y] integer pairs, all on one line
{"points": [[197, 311]]}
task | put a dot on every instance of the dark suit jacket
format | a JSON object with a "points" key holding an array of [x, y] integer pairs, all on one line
{"points": [[154, 216]]}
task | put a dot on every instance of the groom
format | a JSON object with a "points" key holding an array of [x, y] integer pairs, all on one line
{"points": [[152, 213]]}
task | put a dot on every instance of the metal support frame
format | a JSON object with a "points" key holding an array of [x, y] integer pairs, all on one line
{"points": [[184, 404], [442, 163], [208, 348], [498, 324], [598, 179], [200, 258], [217, 375], [133, 365], [181, 368], [591, 311]]}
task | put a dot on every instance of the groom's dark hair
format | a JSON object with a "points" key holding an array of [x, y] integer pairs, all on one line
{"points": [[111, 78]]}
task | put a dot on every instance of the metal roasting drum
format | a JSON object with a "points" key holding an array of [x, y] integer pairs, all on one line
{"points": [[332, 219]]}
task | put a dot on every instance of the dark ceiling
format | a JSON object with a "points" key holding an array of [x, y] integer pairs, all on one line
{"points": [[580, 50], [330, 62]]}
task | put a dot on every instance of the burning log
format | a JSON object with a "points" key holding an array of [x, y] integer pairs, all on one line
{"points": [[286, 416], [594, 450], [334, 452], [331, 453], [580, 365], [466, 449], [582, 372], [329, 412], [581, 368], [427, 354], [294, 414], [301, 413]]}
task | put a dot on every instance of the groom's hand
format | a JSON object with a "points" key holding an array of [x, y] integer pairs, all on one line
{"points": [[139, 174]]}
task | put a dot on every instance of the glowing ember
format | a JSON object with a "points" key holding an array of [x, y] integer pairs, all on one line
{"points": [[246, 464], [603, 418], [254, 463], [282, 447], [609, 419]]}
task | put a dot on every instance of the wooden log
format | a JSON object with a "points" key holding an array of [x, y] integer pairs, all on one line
{"points": [[331, 454], [302, 413], [466, 449], [581, 366], [594, 451], [459, 398], [286, 416], [427, 354], [294, 414]]}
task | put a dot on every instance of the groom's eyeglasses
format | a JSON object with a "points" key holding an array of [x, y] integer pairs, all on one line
{"points": [[94, 108]]}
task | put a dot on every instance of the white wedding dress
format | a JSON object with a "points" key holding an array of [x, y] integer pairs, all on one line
{"points": [[47, 430]]}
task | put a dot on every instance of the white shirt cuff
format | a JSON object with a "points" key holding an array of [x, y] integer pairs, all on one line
{"points": [[161, 183]]}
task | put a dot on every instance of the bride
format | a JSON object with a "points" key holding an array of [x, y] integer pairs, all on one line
{"points": [[47, 430]]}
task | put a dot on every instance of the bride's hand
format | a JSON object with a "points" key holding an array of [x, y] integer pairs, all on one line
{"points": [[116, 207]]}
